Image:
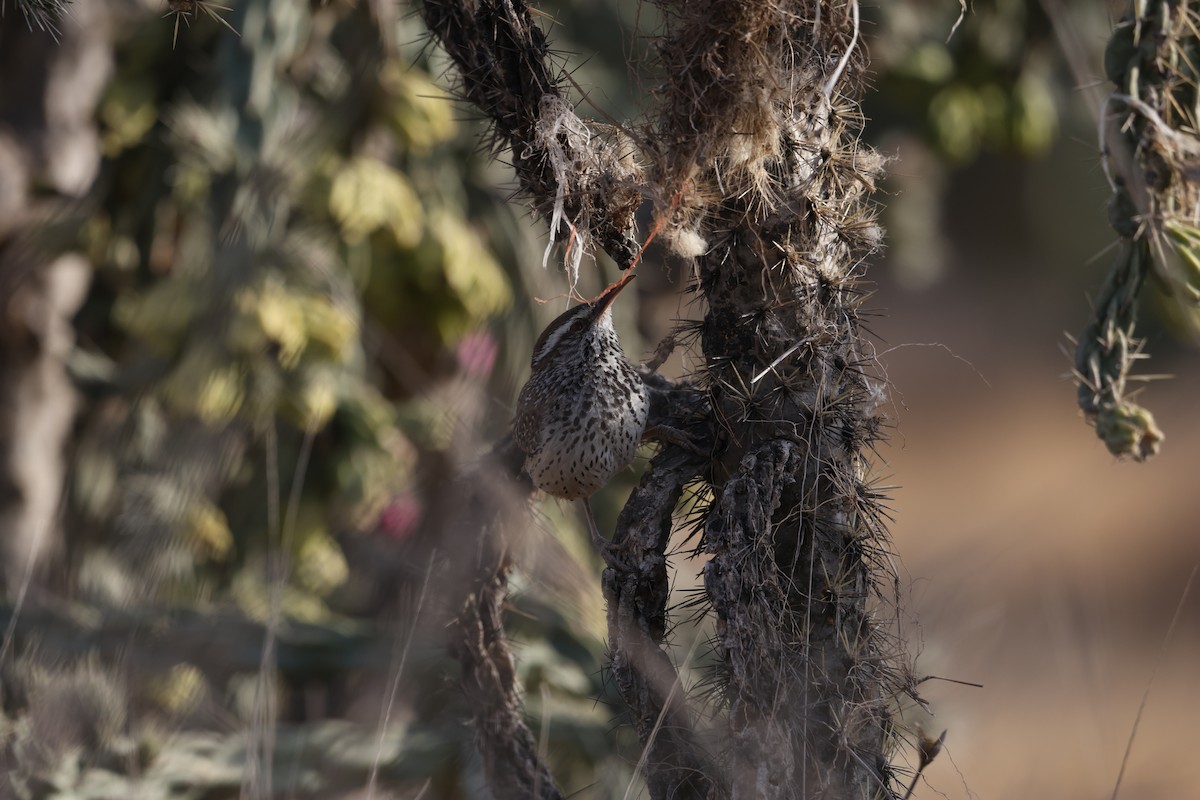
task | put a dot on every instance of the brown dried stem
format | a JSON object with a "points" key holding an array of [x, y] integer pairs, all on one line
{"points": [[509, 749]]}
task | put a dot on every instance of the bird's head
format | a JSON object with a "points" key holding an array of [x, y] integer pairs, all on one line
{"points": [[577, 325]]}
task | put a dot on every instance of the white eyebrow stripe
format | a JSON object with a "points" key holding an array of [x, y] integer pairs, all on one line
{"points": [[551, 340]]}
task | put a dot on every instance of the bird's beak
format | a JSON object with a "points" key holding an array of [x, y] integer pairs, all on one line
{"points": [[606, 297]]}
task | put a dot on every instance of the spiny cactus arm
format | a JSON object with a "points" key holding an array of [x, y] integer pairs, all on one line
{"points": [[832, 737], [760, 114], [481, 562], [637, 589], [1105, 355], [509, 749], [1151, 155], [580, 181]]}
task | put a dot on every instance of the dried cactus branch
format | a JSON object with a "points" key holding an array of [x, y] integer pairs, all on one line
{"points": [[756, 142], [509, 749], [1107, 352], [582, 183], [1151, 152], [762, 123], [637, 589], [510, 755]]}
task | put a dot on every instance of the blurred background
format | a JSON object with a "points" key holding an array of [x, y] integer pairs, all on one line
{"points": [[262, 297]]}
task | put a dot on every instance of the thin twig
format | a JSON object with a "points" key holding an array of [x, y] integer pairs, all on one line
{"points": [[35, 547], [928, 750], [1076, 58], [962, 15], [263, 738], [543, 737], [827, 90]]}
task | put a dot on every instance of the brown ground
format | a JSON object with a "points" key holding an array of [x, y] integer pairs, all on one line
{"points": [[1038, 565]]}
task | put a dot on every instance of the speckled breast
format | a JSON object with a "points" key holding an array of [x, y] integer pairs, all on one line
{"points": [[582, 431]]}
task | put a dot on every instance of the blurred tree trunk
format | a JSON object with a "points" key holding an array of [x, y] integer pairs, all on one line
{"points": [[49, 157], [757, 175]]}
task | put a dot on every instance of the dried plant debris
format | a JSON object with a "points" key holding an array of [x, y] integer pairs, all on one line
{"points": [[1151, 153], [746, 123]]}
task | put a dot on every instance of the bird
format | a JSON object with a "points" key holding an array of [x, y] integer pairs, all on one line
{"points": [[582, 414]]}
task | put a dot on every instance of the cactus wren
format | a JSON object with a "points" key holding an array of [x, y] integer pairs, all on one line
{"points": [[583, 412]]}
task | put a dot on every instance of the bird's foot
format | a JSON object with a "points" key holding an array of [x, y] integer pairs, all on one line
{"points": [[669, 435]]}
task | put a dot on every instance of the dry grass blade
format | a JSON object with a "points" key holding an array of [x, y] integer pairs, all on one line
{"points": [[1162, 651], [641, 765], [262, 734], [386, 716], [22, 594]]}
